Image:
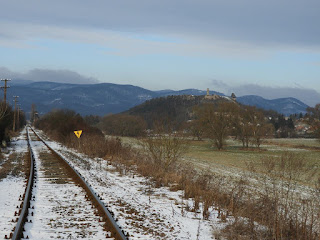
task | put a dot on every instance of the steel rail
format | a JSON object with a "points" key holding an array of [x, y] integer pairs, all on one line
{"points": [[119, 234], [18, 231]]}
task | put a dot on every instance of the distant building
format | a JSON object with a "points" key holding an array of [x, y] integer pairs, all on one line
{"points": [[211, 97], [233, 97], [302, 128]]}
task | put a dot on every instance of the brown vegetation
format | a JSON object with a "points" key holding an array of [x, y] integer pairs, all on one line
{"points": [[6, 121], [61, 124], [123, 125], [164, 149], [218, 121]]}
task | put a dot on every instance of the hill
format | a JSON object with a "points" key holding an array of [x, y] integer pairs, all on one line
{"points": [[191, 91], [177, 109], [285, 106], [101, 99], [96, 99]]}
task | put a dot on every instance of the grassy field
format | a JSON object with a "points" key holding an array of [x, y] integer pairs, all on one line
{"points": [[235, 159]]}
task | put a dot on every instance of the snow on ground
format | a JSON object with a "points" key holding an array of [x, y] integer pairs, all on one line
{"points": [[59, 208], [143, 211], [11, 187]]}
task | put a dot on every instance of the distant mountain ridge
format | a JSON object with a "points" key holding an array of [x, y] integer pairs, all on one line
{"points": [[97, 99], [191, 91], [103, 98], [286, 106]]}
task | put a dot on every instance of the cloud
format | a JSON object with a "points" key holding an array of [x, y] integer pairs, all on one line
{"points": [[219, 83], [258, 24], [37, 75], [126, 43], [308, 96], [6, 73]]}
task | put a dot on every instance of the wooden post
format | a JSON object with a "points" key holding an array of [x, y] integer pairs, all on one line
{"points": [[14, 113], [5, 89]]}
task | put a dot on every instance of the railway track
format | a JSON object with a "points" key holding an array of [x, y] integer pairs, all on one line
{"points": [[58, 202]]}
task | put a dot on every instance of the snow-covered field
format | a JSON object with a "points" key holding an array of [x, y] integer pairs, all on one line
{"points": [[10, 189], [12, 185], [141, 210]]}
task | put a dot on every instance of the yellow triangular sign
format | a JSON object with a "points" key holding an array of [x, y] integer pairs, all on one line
{"points": [[78, 133]]}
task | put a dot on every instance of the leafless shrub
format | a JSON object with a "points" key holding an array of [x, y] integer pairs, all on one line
{"points": [[242, 230], [280, 205], [165, 149]]}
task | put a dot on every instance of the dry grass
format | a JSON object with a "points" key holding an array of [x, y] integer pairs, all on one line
{"points": [[295, 142], [285, 216]]}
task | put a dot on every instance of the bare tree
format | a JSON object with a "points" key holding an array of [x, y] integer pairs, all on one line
{"points": [[165, 149], [314, 119], [259, 127], [243, 126], [6, 119], [217, 120], [196, 129], [251, 126]]}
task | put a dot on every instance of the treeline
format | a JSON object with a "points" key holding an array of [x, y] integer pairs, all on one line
{"points": [[223, 119], [176, 109], [313, 118], [201, 119], [123, 125], [7, 115], [61, 124], [215, 120]]}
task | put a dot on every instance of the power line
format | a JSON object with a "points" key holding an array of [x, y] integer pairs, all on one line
{"points": [[5, 89]]}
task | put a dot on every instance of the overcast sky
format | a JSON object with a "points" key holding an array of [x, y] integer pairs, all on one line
{"points": [[168, 44]]}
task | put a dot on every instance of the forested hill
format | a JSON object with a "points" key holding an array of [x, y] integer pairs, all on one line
{"points": [[179, 109], [175, 109]]}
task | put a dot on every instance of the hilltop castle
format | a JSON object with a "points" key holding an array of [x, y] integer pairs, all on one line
{"points": [[215, 96], [211, 97]]}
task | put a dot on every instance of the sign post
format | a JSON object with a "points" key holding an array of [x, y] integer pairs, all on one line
{"points": [[78, 134]]}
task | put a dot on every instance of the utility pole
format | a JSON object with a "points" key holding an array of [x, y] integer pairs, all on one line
{"points": [[14, 113], [5, 89], [33, 113], [18, 118]]}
